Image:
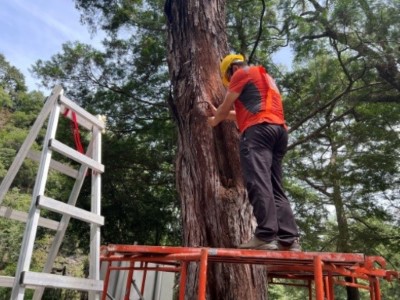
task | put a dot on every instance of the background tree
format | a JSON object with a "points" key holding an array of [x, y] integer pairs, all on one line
{"points": [[349, 141], [365, 31]]}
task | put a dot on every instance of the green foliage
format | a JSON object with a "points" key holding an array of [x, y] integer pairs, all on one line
{"points": [[5, 99], [12, 81], [11, 232], [149, 198], [14, 132], [360, 32]]}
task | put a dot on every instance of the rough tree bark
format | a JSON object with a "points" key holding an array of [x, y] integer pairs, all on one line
{"points": [[215, 209]]}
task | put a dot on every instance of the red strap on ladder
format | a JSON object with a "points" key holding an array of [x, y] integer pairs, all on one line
{"points": [[75, 130]]}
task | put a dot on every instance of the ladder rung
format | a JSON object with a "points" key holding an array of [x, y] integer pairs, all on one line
{"points": [[60, 281], [75, 155], [72, 211], [23, 217], [85, 116], [62, 168], [6, 281]]}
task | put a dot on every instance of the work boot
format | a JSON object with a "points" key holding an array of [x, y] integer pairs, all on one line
{"points": [[257, 244], [295, 246]]}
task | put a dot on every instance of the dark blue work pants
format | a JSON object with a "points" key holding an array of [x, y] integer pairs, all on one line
{"points": [[262, 148]]}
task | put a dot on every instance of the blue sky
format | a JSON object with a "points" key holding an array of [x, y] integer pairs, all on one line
{"points": [[36, 29]]}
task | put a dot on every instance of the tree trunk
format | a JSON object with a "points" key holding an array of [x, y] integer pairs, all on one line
{"points": [[215, 210], [343, 227]]}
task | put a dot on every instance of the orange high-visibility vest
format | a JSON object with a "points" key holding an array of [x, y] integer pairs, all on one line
{"points": [[259, 98]]}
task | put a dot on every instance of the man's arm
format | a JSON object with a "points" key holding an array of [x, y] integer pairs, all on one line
{"points": [[231, 116], [224, 110]]}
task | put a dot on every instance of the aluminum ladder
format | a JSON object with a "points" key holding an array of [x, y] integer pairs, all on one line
{"points": [[55, 104]]}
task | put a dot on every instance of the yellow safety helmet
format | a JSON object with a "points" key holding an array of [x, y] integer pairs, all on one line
{"points": [[225, 65]]}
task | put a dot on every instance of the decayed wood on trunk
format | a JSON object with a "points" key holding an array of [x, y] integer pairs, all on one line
{"points": [[215, 210]]}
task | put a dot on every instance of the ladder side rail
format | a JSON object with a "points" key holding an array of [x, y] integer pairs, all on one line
{"points": [[84, 118], [27, 144], [59, 236], [28, 241], [94, 268]]}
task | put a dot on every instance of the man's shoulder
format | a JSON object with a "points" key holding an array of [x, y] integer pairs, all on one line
{"points": [[257, 68], [240, 74]]}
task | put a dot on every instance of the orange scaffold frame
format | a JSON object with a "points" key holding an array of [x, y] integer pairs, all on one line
{"points": [[324, 269]]}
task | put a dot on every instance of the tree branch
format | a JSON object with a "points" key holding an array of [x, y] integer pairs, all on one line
{"points": [[320, 109], [320, 129], [316, 187], [259, 32]]}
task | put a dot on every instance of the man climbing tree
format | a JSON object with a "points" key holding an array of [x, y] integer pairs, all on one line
{"points": [[258, 111]]}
